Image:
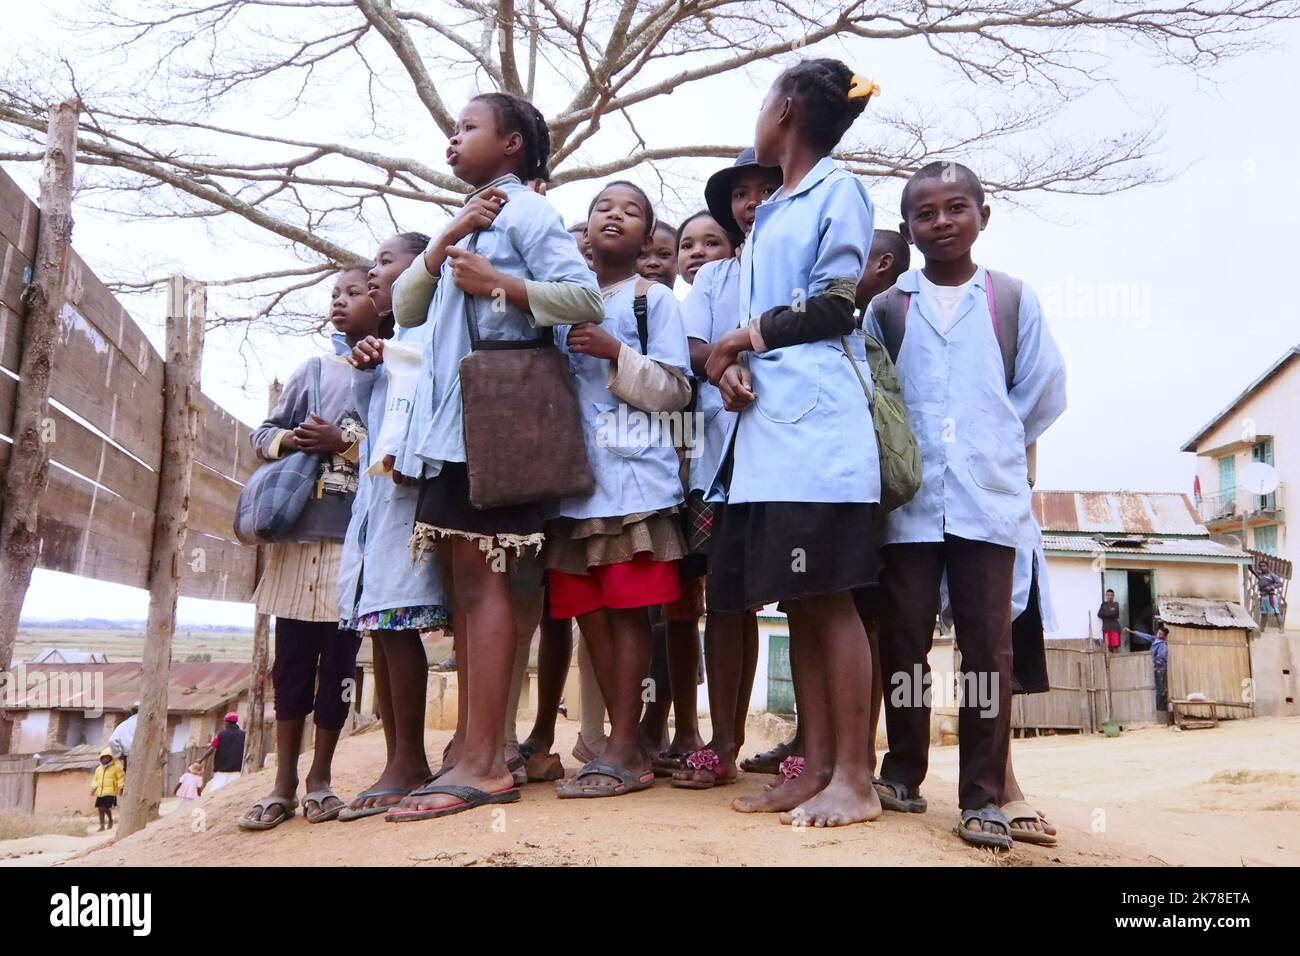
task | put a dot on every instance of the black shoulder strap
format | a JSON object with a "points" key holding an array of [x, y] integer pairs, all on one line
{"points": [[640, 309], [1006, 306], [890, 308]]}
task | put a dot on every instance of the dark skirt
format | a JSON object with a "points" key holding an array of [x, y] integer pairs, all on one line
{"points": [[444, 507], [768, 551], [105, 803]]}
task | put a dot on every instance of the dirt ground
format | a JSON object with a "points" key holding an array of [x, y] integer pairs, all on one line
{"points": [[1151, 797]]}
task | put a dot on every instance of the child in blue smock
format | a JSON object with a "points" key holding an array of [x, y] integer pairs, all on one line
{"points": [[802, 478], [613, 554], [526, 273], [732, 195], [381, 599], [974, 419]]}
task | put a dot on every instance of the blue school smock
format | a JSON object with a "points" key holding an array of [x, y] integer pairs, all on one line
{"points": [[631, 453], [808, 436], [376, 553], [711, 309], [527, 239], [972, 432]]}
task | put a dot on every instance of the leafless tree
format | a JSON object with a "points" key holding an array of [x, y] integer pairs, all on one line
{"points": [[207, 127]]}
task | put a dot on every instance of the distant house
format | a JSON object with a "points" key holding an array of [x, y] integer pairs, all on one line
{"points": [[69, 655], [1145, 546], [54, 708], [1260, 424]]}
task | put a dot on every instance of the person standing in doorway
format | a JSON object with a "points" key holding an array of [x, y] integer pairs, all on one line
{"points": [[1110, 627]]}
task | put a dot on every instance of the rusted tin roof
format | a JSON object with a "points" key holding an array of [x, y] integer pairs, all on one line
{"points": [[1191, 548], [193, 688], [1116, 512], [1204, 612]]}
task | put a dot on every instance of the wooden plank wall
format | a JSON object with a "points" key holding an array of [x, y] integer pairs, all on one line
{"points": [[97, 512], [1214, 662]]}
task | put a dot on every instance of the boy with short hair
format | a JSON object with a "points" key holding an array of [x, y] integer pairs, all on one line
{"points": [[976, 398]]}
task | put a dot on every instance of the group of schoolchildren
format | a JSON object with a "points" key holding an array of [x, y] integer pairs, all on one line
{"points": [[776, 501]]}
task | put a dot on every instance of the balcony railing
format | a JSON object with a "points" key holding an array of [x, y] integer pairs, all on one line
{"points": [[1236, 503]]}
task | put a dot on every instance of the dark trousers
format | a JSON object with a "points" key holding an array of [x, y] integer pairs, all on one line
{"points": [[1161, 703], [979, 588], [314, 671]]}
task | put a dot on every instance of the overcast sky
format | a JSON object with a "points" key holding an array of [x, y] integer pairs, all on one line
{"points": [[1166, 301]]}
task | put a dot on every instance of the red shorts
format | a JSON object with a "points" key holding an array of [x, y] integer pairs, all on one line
{"points": [[641, 582], [1112, 638]]}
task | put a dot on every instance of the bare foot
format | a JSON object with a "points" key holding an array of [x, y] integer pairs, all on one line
{"points": [[787, 796], [839, 804]]}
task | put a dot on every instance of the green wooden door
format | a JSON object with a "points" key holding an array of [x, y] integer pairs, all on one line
{"points": [[780, 682]]}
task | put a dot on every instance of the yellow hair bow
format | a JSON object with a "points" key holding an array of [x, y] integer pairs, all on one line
{"points": [[862, 86]]}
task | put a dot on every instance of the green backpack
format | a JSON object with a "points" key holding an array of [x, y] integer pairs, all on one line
{"points": [[900, 456]]}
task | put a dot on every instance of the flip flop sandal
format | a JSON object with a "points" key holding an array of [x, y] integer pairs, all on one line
{"points": [[697, 763], [665, 764], [899, 797], [551, 768], [989, 813], [347, 813], [288, 809], [582, 751], [769, 761], [517, 766], [322, 815], [628, 781], [470, 798], [1018, 810]]}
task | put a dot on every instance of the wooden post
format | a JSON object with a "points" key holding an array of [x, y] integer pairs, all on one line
{"points": [[185, 303], [255, 735], [29, 461]]}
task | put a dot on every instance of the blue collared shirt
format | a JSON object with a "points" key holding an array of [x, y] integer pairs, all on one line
{"points": [[379, 533], [711, 309], [808, 437], [631, 452], [972, 432], [528, 240]]}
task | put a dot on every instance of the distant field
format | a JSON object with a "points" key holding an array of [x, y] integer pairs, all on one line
{"points": [[124, 644]]}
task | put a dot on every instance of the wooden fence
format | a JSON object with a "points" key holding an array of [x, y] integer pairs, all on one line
{"points": [[144, 470], [1087, 686], [97, 512]]}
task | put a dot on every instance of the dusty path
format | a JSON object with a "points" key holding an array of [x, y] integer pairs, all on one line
{"points": [[1222, 797]]}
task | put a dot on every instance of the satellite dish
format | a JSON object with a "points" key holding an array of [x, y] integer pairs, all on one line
{"points": [[1258, 478]]}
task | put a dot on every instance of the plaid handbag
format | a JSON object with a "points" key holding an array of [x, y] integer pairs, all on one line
{"points": [[283, 501]]}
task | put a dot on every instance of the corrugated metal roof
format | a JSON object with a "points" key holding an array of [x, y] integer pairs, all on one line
{"points": [[1202, 547], [1204, 612], [1116, 512], [1274, 369], [193, 688], [81, 757]]}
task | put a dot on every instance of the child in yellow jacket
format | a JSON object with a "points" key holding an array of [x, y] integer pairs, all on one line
{"points": [[108, 782]]}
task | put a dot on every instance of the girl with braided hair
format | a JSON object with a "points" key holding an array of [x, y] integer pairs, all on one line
{"points": [[525, 273]]}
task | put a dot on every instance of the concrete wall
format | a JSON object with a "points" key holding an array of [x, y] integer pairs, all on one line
{"points": [[1274, 660], [1076, 587], [64, 792]]}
